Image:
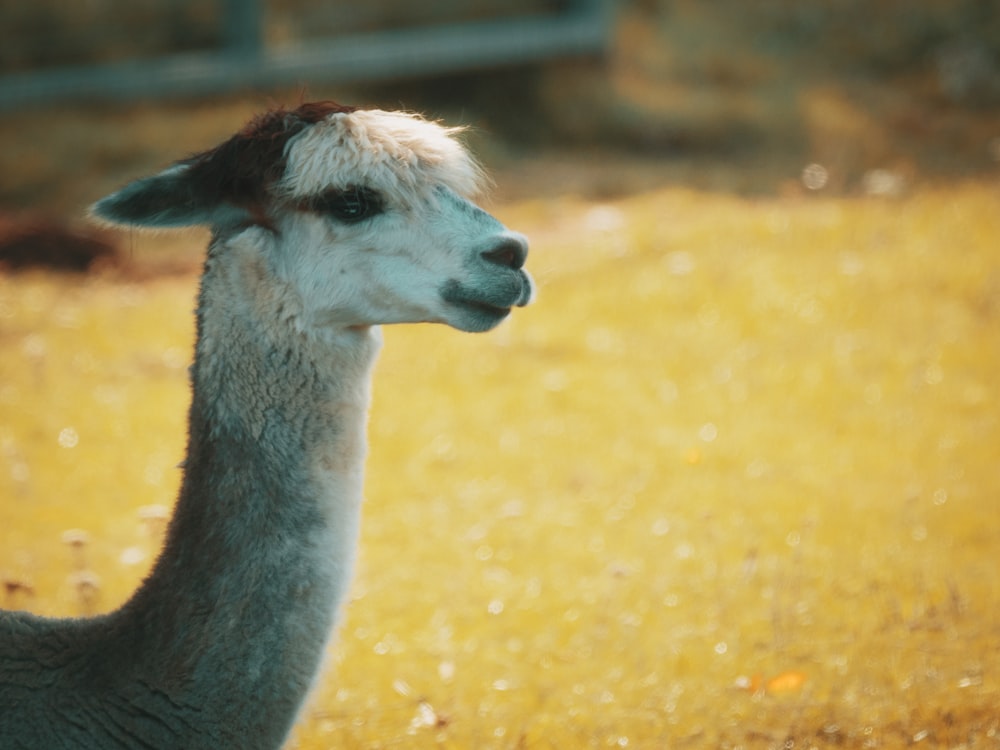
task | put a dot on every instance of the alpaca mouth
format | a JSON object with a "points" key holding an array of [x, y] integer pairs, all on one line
{"points": [[477, 315], [478, 309], [496, 302], [484, 307]]}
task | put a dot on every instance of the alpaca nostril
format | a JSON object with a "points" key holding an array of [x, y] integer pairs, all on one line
{"points": [[510, 253]]}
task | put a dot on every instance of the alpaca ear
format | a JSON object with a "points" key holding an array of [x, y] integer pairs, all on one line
{"points": [[170, 199]]}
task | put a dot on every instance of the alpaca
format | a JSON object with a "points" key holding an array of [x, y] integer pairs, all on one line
{"points": [[326, 221]]}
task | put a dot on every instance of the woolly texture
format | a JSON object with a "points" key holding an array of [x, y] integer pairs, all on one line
{"points": [[403, 155]]}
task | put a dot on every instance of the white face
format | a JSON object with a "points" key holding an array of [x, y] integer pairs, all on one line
{"points": [[379, 230], [369, 223], [444, 261]]}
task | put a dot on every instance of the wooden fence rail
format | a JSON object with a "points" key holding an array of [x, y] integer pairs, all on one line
{"points": [[245, 62]]}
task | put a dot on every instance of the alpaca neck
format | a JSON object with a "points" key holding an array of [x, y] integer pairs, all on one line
{"points": [[260, 549]]}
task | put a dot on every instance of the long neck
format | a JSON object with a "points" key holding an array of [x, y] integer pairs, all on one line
{"points": [[239, 607]]}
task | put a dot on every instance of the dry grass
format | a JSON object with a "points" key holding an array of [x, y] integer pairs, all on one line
{"points": [[730, 483]]}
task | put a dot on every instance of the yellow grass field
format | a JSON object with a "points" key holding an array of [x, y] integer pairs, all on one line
{"points": [[732, 482]]}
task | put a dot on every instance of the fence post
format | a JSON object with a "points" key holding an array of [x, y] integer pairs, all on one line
{"points": [[243, 32]]}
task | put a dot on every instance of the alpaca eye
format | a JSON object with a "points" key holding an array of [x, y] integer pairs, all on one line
{"points": [[349, 205]]}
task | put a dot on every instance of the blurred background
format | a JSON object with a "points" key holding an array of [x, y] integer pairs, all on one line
{"points": [[719, 94], [732, 482]]}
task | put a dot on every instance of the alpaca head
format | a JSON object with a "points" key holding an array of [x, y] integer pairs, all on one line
{"points": [[363, 216]]}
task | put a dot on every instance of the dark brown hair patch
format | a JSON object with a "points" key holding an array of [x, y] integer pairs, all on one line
{"points": [[242, 170]]}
